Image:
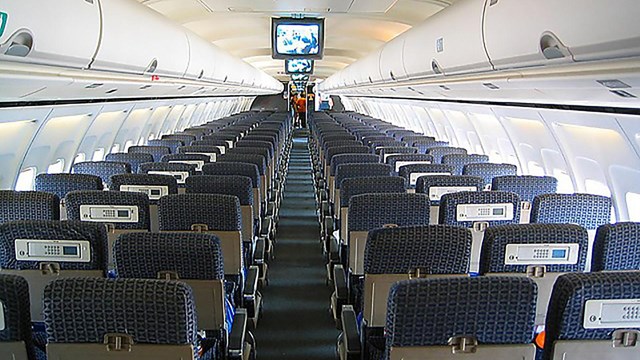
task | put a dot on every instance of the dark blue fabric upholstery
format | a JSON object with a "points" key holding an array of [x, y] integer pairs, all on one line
{"points": [[218, 212], [393, 159], [434, 249], [570, 293], [156, 151], [494, 310], [75, 199], [374, 184], [94, 233], [352, 170], [257, 144], [425, 145], [528, 187], [262, 152], [425, 183], [173, 145], [351, 158], [488, 171], [238, 186], [371, 211], [440, 151], [458, 161], [199, 149], [385, 150], [407, 170], [258, 160], [103, 169], [163, 166], [176, 158], [496, 239], [133, 159], [234, 168], [83, 310], [449, 206], [62, 184], [617, 247], [14, 295], [28, 205], [191, 256], [331, 152], [186, 139], [586, 210]]}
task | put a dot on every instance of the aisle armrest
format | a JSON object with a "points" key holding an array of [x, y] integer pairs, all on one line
{"points": [[238, 333], [351, 346]]}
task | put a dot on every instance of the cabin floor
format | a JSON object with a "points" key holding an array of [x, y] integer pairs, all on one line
{"points": [[296, 323]]}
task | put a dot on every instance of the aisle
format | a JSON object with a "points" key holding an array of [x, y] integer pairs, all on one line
{"points": [[296, 323]]}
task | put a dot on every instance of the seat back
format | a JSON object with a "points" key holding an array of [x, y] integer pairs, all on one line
{"points": [[398, 160], [458, 161], [412, 172], [156, 151], [211, 151], [478, 211], [527, 187], [371, 211], [191, 159], [186, 139], [41, 251], [28, 205], [102, 169], [472, 317], [193, 258], [594, 316], [62, 184], [617, 247], [541, 252], [133, 159], [395, 254], [125, 317], [249, 170], [439, 151], [207, 213], [355, 170], [437, 185], [488, 171], [173, 145], [15, 338], [587, 210], [386, 151]]}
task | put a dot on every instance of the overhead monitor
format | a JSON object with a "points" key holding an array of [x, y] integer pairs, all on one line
{"points": [[298, 66], [299, 77], [297, 38]]}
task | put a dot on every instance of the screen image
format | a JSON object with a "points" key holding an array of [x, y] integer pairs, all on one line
{"points": [[299, 77], [297, 38], [299, 66]]}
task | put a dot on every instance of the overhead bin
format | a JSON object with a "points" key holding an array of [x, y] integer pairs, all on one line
{"points": [[202, 58], [449, 43], [28, 35], [136, 39], [391, 60], [367, 70], [522, 33]]}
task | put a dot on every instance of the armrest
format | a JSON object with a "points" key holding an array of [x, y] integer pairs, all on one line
{"points": [[237, 336], [325, 207], [350, 337], [334, 249], [266, 226], [251, 283], [340, 283], [258, 252]]}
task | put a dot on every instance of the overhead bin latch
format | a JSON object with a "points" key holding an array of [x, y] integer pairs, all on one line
{"points": [[552, 48]]}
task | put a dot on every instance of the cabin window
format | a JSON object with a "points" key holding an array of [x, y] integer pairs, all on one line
{"points": [[633, 206], [535, 169], [596, 187], [98, 155], [128, 144], [56, 167], [79, 158], [565, 185], [115, 148], [26, 179]]}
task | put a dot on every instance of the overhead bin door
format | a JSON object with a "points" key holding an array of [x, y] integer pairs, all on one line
{"points": [[58, 33], [136, 39], [521, 33], [449, 42], [391, 60], [203, 56]]}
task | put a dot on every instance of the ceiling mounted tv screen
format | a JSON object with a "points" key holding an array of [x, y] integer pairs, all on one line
{"points": [[298, 66], [297, 38], [299, 77]]}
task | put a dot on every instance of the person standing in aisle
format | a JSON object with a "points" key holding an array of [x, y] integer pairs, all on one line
{"points": [[301, 105]]}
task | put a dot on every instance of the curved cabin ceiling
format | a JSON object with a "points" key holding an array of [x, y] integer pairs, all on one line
{"points": [[354, 28]]}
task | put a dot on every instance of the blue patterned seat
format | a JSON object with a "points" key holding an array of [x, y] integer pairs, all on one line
{"points": [[568, 316], [453, 211], [527, 187], [91, 258], [103, 169], [81, 312], [156, 151], [28, 205], [398, 160], [410, 139], [181, 171], [62, 184], [488, 171], [617, 247], [440, 151], [16, 336], [234, 168], [133, 159], [351, 158], [257, 144], [353, 170], [168, 184], [376, 145], [185, 138], [431, 184], [212, 151], [413, 172], [331, 142], [366, 185], [458, 161], [425, 145], [586, 210], [385, 151], [256, 159], [218, 212], [137, 203], [491, 310], [173, 145], [199, 160]]}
